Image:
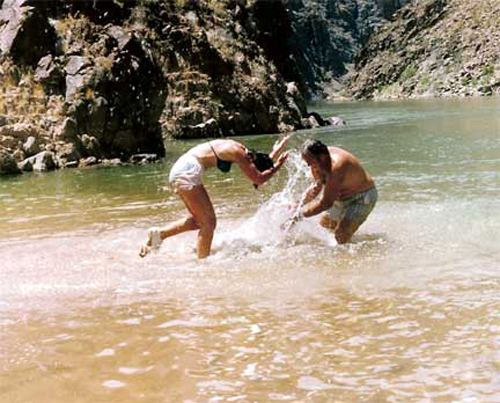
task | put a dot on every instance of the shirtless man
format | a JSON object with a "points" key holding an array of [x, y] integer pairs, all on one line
{"points": [[349, 192]]}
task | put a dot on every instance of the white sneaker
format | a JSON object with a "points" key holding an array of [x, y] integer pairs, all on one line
{"points": [[154, 239], [153, 244]]}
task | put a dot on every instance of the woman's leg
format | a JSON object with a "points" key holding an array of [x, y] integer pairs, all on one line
{"points": [[199, 205], [178, 227]]}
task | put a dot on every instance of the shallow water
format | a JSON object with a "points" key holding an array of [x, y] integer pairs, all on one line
{"points": [[409, 312]]}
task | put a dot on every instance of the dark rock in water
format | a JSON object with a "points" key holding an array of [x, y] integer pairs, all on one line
{"points": [[143, 158], [67, 154], [26, 34], [336, 121], [316, 119], [41, 162], [8, 164], [89, 161], [90, 146], [26, 165]]}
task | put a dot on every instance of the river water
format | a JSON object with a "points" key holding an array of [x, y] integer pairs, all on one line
{"points": [[408, 312]]}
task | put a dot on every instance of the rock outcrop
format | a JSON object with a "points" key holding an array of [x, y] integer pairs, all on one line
{"points": [[327, 35], [434, 48], [112, 79]]}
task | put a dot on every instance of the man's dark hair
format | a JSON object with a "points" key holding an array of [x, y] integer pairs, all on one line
{"points": [[315, 147]]}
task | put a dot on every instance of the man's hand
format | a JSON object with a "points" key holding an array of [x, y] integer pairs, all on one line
{"points": [[288, 224]]}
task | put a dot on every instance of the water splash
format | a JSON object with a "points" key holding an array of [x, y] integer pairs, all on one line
{"points": [[266, 230]]}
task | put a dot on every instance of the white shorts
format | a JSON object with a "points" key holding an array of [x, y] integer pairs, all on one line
{"points": [[186, 173]]}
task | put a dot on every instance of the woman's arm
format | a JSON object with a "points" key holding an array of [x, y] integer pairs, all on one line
{"points": [[278, 146], [257, 177]]}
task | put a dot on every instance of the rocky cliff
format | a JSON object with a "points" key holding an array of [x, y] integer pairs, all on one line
{"points": [[327, 35], [106, 80], [433, 48]]}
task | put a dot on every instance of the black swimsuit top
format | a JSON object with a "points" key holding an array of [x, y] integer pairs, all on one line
{"points": [[224, 166]]}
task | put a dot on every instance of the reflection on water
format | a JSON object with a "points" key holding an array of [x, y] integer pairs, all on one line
{"points": [[408, 312]]}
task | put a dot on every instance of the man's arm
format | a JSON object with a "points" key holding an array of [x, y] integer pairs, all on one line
{"points": [[330, 194], [311, 192]]}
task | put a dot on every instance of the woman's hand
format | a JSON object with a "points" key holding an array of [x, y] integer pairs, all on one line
{"points": [[278, 146], [281, 160]]}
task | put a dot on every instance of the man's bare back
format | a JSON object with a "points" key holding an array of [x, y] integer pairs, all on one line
{"points": [[349, 177]]}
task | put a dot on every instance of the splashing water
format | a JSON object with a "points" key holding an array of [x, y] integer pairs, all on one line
{"points": [[266, 230]]}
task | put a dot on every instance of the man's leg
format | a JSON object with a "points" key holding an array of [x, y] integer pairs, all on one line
{"points": [[345, 231], [326, 222], [355, 215], [331, 218]]}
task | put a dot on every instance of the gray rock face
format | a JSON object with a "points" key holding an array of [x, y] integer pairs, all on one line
{"points": [[50, 75], [432, 48], [327, 35], [25, 33]]}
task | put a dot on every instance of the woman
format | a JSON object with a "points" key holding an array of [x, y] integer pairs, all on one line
{"points": [[186, 179]]}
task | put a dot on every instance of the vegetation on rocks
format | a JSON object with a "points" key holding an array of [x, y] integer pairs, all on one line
{"points": [[437, 48], [85, 82], [110, 80]]}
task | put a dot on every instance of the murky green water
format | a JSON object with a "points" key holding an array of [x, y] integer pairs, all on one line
{"points": [[409, 312]]}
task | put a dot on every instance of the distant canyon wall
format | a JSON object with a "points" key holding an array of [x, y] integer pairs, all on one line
{"points": [[434, 48]]}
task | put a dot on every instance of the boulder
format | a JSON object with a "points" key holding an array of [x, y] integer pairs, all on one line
{"points": [[8, 164], [50, 75], [26, 165], [89, 161], [89, 145], [67, 153], [41, 162], [116, 100], [67, 131], [336, 121], [9, 142], [78, 76], [19, 155], [143, 158], [20, 36], [31, 146]]}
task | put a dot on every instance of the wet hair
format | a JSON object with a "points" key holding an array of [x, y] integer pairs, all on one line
{"points": [[315, 148], [262, 162]]}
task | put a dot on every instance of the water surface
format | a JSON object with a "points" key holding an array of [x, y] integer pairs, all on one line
{"points": [[408, 312]]}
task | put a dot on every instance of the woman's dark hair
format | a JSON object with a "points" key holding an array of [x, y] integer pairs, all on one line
{"points": [[315, 147], [262, 162]]}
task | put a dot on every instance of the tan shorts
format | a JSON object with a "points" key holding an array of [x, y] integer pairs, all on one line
{"points": [[356, 208]]}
